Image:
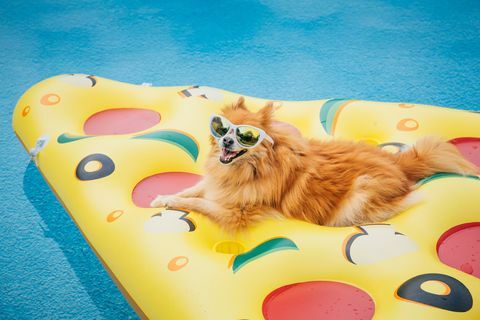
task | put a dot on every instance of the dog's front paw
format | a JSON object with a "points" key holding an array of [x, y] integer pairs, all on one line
{"points": [[160, 201]]}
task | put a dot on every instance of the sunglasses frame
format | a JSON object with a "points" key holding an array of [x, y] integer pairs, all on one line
{"points": [[263, 134]]}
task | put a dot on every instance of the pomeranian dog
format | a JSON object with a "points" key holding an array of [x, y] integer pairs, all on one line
{"points": [[257, 169]]}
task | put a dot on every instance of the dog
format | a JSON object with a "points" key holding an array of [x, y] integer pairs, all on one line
{"points": [[258, 169]]}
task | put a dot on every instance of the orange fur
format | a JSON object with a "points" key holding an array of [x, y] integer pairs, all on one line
{"points": [[334, 183]]}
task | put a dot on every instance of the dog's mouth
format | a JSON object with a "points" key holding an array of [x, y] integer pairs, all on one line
{"points": [[227, 155]]}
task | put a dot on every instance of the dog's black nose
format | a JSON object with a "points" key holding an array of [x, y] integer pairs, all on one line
{"points": [[227, 141]]}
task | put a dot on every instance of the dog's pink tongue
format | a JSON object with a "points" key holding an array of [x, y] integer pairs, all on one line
{"points": [[227, 154]]}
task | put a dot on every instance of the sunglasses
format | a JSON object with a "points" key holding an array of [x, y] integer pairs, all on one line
{"points": [[246, 136]]}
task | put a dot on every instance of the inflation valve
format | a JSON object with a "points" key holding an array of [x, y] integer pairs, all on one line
{"points": [[39, 146]]}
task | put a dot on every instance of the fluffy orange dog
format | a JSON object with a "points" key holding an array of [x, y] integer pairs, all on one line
{"points": [[258, 169]]}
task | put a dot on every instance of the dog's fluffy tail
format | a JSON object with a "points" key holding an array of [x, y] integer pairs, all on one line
{"points": [[430, 155]]}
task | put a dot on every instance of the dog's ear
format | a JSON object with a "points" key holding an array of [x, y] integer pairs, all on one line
{"points": [[240, 104], [266, 113]]}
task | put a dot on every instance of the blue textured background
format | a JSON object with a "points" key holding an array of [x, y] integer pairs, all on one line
{"points": [[412, 51]]}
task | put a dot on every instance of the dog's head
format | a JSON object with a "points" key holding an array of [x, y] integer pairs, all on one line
{"points": [[246, 136]]}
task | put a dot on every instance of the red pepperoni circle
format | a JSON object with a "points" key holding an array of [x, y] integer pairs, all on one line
{"points": [[120, 121], [459, 247], [326, 300], [162, 184], [287, 127], [469, 148]]}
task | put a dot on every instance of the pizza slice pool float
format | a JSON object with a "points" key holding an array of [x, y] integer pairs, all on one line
{"points": [[107, 148]]}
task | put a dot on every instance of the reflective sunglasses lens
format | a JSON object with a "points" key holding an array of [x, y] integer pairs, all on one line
{"points": [[247, 136], [219, 126]]}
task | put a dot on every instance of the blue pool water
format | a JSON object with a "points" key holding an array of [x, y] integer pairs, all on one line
{"points": [[412, 51]]}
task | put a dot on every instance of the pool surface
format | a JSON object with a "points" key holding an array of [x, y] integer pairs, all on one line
{"points": [[421, 52]]}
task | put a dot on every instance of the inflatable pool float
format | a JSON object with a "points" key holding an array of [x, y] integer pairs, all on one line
{"points": [[107, 148]]}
